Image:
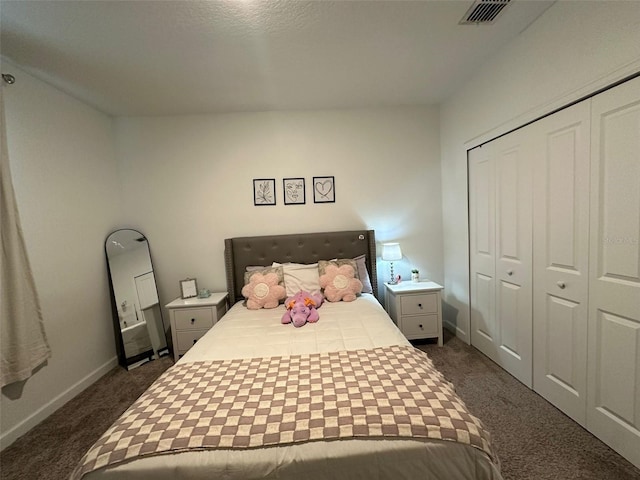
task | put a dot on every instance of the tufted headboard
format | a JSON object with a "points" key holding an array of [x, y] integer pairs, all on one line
{"points": [[241, 252]]}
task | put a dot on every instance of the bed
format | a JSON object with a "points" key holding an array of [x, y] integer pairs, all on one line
{"points": [[288, 402]]}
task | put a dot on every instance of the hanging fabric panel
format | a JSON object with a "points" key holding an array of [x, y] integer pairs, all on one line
{"points": [[24, 344]]}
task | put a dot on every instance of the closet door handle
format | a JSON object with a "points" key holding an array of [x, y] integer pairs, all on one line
{"points": [[561, 285]]}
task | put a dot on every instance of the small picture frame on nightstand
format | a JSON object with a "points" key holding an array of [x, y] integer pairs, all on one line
{"points": [[188, 288]]}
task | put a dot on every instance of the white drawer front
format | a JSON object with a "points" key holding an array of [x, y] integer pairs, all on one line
{"points": [[419, 304], [194, 319], [187, 338], [421, 326]]}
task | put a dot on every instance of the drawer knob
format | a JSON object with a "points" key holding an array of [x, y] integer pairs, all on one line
{"points": [[193, 320], [420, 326], [194, 342], [420, 305], [509, 272], [561, 285]]}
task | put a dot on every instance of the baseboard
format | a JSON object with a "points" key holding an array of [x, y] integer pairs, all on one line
{"points": [[461, 334], [10, 436]]}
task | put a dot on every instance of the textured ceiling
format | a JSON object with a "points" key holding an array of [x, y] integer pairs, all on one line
{"points": [[181, 57]]}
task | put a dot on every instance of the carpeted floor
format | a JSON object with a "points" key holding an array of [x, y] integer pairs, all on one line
{"points": [[51, 450], [533, 439]]}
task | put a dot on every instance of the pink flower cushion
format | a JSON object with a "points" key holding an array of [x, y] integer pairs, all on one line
{"points": [[339, 283], [263, 291]]}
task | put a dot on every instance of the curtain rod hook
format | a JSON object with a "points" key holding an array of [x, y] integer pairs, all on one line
{"points": [[10, 79]]}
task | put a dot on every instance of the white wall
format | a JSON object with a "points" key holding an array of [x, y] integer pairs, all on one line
{"points": [[572, 50], [64, 174], [187, 183]]}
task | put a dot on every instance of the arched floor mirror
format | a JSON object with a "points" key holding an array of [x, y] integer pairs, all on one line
{"points": [[140, 331]]}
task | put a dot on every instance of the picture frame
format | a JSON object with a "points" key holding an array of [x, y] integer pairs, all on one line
{"points": [[264, 191], [294, 191], [188, 288], [324, 189]]}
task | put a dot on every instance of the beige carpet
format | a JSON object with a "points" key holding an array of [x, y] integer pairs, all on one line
{"points": [[533, 439]]}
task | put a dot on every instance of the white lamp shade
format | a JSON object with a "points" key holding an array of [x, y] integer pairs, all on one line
{"points": [[391, 252]]}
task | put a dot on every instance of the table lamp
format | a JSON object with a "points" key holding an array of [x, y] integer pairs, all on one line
{"points": [[390, 253]]}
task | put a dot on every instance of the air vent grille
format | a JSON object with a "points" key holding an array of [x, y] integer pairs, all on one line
{"points": [[483, 12]]}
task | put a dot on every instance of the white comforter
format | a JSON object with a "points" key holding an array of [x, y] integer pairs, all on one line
{"points": [[243, 333]]}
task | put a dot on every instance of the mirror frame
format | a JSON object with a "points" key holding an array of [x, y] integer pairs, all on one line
{"points": [[122, 358]]}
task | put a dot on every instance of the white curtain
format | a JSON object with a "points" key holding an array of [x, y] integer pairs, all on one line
{"points": [[24, 344]]}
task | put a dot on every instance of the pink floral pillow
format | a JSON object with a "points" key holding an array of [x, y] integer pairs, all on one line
{"points": [[263, 291], [339, 283]]}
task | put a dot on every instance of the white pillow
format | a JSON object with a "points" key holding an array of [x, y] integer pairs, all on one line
{"points": [[299, 276]]}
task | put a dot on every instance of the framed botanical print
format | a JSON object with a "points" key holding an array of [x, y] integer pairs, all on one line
{"points": [[264, 191]]}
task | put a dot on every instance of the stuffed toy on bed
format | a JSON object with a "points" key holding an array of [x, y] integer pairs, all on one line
{"points": [[302, 308], [340, 284], [263, 291]]}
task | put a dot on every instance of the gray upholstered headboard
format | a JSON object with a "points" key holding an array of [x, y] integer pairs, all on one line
{"points": [[241, 252]]}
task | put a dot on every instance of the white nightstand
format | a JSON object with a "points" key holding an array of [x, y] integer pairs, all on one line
{"points": [[191, 318], [416, 309]]}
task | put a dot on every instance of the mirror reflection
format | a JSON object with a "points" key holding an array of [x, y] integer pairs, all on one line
{"points": [[138, 323]]}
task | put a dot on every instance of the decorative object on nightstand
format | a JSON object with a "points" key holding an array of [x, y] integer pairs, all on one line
{"points": [[415, 275], [188, 288], [416, 309], [390, 253], [192, 317]]}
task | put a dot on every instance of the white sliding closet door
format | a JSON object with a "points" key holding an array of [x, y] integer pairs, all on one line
{"points": [[613, 406], [560, 256], [500, 181], [513, 253], [482, 256]]}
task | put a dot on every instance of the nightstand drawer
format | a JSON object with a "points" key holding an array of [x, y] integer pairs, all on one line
{"points": [[194, 319], [418, 304], [415, 309], [191, 318], [187, 338], [420, 326]]}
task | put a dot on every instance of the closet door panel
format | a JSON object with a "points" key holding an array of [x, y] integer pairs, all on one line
{"points": [[500, 236], [485, 311], [509, 308], [619, 342], [613, 408], [482, 250], [511, 154], [561, 250]]}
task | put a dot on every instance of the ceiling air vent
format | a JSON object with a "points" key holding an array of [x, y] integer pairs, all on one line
{"points": [[483, 12]]}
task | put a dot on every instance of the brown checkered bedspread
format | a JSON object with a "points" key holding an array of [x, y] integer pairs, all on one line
{"points": [[387, 392]]}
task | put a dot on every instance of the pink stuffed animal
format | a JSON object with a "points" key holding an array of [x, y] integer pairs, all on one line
{"points": [[339, 283], [302, 308]]}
